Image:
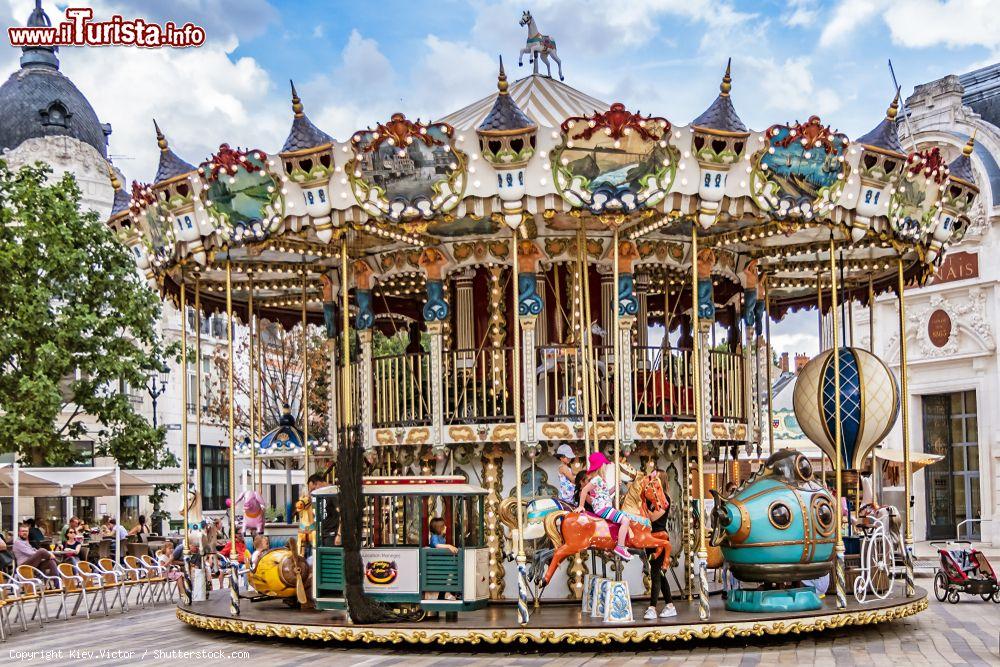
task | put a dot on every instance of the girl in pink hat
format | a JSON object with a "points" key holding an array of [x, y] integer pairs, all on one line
{"points": [[600, 499]]}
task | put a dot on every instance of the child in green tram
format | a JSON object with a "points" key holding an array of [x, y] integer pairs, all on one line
{"points": [[437, 536]]}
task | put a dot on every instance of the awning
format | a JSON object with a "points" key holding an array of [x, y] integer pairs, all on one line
{"points": [[918, 460], [83, 481]]}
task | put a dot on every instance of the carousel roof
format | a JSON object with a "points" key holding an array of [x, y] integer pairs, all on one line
{"points": [[721, 114], [546, 101], [416, 199], [303, 135], [122, 198]]}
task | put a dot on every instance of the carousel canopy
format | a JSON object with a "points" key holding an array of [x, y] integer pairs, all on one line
{"points": [[416, 201]]}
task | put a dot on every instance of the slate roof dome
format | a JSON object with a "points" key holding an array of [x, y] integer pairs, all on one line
{"points": [[39, 101]]}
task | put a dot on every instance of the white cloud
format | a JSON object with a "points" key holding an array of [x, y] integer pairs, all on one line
{"points": [[847, 17], [919, 23], [955, 23], [789, 85], [800, 13]]}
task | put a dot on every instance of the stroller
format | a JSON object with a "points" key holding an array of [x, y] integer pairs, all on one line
{"points": [[964, 570]]}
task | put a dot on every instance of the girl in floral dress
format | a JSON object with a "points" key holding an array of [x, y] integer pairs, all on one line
{"points": [[600, 494]]}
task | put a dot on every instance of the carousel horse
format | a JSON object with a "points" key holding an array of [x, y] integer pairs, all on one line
{"points": [[538, 46], [282, 573], [253, 511], [572, 532]]}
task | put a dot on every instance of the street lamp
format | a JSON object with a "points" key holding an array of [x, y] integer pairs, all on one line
{"points": [[156, 389]]}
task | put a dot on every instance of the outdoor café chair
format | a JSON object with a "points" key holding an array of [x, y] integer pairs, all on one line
{"points": [[110, 580], [154, 579], [132, 579], [39, 583], [75, 581], [13, 595], [158, 576]]}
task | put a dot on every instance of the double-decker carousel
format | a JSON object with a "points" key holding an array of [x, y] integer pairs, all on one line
{"points": [[576, 279]]}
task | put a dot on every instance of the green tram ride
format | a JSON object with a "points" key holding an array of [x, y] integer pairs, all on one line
{"points": [[423, 544]]}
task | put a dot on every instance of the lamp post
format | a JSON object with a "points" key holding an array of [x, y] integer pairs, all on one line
{"points": [[156, 386]]}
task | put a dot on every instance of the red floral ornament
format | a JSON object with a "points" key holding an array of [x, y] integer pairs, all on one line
{"points": [[616, 120], [400, 133], [930, 162], [811, 134], [229, 161]]}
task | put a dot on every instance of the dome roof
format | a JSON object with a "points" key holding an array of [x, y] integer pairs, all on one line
{"points": [[505, 115], [39, 101]]}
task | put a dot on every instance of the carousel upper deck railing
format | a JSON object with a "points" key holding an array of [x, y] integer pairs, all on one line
{"points": [[402, 390], [476, 389]]}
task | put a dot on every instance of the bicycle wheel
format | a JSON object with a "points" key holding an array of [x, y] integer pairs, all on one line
{"points": [[940, 586]]}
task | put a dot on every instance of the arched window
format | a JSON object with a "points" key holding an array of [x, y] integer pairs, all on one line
{"points": [[56, 114]]}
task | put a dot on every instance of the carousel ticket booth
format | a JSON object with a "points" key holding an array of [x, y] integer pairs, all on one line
{"points": [[487, 284]]}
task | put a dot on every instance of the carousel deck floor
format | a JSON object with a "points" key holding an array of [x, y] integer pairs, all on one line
{"points": [[553, 623]]}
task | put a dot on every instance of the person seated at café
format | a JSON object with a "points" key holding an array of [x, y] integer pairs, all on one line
{"points": [[6, 557], [36, 537], [105, 527], [25, 554], [116, 531], [140, 530], [165, 558], [74, 523], [71, 546]]}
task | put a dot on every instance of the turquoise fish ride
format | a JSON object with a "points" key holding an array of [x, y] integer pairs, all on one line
{"points": [[778, 528]]}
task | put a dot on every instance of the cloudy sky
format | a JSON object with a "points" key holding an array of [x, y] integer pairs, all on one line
{"points": [[356, 62]]}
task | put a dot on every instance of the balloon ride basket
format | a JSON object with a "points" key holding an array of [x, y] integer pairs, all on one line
{"points": [[554, 622], [771, 601]]}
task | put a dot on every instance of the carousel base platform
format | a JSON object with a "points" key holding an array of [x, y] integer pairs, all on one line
{"points": [[552, 623]]}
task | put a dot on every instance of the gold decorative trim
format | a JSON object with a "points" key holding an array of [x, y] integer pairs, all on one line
{"points": [[597, 635]]}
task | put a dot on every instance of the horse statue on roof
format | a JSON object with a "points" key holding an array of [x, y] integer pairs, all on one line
{"points": [[538, 46]]}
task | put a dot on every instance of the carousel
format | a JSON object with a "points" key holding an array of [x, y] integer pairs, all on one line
{"points": [[577, 444]]}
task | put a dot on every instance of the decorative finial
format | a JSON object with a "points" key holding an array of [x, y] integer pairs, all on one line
{"points": [[893, 109], [502, 79], [161, 140], [970, 144], [727, 81], [296, 102], [116, 185]]}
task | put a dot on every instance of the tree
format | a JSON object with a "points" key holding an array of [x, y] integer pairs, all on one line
{"points": [[77, 322], [281, 364]]}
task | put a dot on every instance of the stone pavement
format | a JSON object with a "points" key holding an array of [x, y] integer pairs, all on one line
{"points": [[964, 634]]}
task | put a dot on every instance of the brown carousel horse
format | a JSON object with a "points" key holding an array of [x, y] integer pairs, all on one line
{"points": [[572, 532]]}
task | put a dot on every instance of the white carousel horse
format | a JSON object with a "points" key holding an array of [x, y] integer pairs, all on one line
{"points": [[538, 46]]}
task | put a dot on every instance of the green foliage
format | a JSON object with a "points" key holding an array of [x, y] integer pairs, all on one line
{"points": [[77, 321]]}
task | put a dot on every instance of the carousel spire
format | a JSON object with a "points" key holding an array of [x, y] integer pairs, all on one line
{"points": [[962, 165], [727, 80], [303, 135], [502, 79], [884, 136], [296, 102], [721, 116], [505, 116], [170, 165], [121, 200]]}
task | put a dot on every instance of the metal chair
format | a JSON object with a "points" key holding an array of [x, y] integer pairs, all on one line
{"points": [[158, 576], [12, 593], [131, 578], [27, 575], [148, 576], [109, 580]]}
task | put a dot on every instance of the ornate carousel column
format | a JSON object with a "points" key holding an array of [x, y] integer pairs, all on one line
{"points": [[492, 459], [705, 320], [628, 307], [753, 308], [432, 261], [328, 281], [529, 307], [363, 323], [701, 307]]}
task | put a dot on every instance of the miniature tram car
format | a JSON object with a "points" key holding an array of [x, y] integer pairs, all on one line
{"points": [[400, 566]]}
